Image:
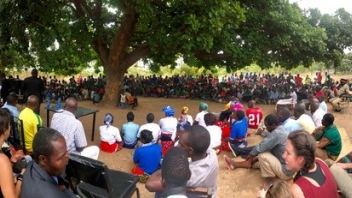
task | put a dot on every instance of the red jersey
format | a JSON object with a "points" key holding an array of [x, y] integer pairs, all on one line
{"points": [[255, 116]]}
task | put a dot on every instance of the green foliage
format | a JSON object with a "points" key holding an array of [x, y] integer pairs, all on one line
{"points": [[338, 28], [64, 36]]}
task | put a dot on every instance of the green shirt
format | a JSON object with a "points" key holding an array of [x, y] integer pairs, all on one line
{"points": [[332, 134]]}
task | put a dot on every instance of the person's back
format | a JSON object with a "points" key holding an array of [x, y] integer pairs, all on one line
{"points": [[204, 173], [33, 86], [73, 131], [148, 157], [129, 131], [306, 123], [151, 126], [254, 115], [31, 121], [311, 188], [71, 128]]}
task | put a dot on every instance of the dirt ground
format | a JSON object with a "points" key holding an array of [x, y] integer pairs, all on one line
{"points": [[238, 183]]}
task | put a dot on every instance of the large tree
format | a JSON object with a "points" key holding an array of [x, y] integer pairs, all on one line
{"points": [[338, 28], [65, 35]]}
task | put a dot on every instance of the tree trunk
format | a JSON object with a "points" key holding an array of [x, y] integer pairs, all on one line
{"points": [[114, 83]]}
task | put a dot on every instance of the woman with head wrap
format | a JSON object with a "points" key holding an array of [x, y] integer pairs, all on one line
{"points": [[168, 129], [203, 109], [185, 117], [109, 135]]}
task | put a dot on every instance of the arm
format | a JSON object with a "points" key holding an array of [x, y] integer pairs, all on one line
{"points": [[19, 184], [323, 142], [6, 179], [153, 183], [345, 165], [266, 145], [80, 138]]}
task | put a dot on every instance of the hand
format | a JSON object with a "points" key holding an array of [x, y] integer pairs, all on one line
{"points": [[227, 139], [342, 165], [321, 128], [17, 156]]}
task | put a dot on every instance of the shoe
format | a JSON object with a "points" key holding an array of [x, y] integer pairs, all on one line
{"points": [[233, 152]]}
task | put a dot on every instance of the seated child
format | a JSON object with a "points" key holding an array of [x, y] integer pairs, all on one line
{"points": [[146, 158]]}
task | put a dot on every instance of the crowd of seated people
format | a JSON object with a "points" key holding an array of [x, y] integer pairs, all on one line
{"points": [[271, 152]]}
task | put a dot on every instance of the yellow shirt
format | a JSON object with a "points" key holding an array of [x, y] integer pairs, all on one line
{"points": [[30, 126]]}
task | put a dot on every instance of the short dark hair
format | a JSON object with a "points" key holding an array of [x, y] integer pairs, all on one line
{"points": [[130, 116], [5, 120], [285, 112], [299, 108], [225, 115], [209, 119], [175, 167], [34, 72], [329, 118], [198, 138], [12, 98], [240, 114], [272, 119], [150, 117], [42, 142], [147, 136]]}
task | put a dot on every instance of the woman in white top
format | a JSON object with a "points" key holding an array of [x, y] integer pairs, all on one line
{"points": [[109, 135], [168, 129]]}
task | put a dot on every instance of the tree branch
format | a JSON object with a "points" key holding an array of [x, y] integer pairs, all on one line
{"points": [[123, 36], [135, 55]]}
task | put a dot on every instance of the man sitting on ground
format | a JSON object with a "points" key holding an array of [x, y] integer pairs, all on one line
{"points": [[304, 120], [317, 112], [43, 175], [288, 123], [129, 132], [195, 140], [31, 121], [73, 131], [330, 144], [254, 115], [269, 152]]}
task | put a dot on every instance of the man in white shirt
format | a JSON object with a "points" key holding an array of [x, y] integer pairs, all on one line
{"points": [[151, 126], [73, 131], [214, 131], [317, 112], [204, 167], [203, 109]]}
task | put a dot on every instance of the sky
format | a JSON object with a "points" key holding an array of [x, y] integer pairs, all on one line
{"points": [[325, 6]]}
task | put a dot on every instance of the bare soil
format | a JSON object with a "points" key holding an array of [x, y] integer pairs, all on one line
{"points": [[236, 183]]}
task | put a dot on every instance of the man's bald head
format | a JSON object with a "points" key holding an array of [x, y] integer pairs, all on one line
{"points": [[71, 104], [32, 102], [251, 103]]}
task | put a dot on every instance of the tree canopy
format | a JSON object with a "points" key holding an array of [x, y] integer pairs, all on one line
{"points": [[64, 36]]}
